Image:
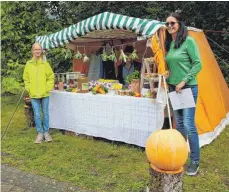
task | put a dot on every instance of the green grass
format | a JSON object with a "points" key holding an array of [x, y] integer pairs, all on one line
{"points": [[98, 165]]}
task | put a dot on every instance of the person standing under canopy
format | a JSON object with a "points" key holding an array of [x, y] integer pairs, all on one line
{"points": [[128, 67]]}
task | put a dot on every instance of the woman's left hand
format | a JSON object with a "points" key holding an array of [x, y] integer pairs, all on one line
{"points": [[180, 86]]}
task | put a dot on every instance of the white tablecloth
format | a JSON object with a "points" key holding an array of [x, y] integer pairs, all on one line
{"points": [[119, 118]]}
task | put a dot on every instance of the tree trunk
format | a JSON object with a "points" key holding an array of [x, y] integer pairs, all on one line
{"points": [[163, 182]]}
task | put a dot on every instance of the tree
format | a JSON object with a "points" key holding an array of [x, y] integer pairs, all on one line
{"points": [[23, 21]]}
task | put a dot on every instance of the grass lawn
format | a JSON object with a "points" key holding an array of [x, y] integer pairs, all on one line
{"points": [[98, 165]]}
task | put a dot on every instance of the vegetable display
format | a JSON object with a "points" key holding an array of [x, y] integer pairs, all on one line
{"points": [[134, 55], [123, 56], [104, 55], [134, 75], [112, 57], [99, 89]]}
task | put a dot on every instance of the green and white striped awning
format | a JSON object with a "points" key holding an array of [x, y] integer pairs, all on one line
{"points": [[103, 21]]}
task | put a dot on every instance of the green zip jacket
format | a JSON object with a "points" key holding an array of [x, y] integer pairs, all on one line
{"points": [[38, 78], [184, 62]]}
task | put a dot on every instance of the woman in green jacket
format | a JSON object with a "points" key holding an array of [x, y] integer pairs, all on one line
{"points": [[39, 81], [183, 61]]}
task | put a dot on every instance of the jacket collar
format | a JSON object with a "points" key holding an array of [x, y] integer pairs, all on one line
{"points": [[36, 61]]}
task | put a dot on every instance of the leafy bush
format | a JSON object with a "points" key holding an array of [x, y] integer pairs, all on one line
{"points": [[12, 81], [11, 85], [14, 70], [59, 61]]}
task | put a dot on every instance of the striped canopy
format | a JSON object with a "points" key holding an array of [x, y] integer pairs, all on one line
{"points": [[103, 21]]}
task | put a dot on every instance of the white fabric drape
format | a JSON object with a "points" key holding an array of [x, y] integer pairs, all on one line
{"points": [[120, 118]]}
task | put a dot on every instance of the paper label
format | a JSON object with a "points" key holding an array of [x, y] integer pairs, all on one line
{"points": [[85, 86]]}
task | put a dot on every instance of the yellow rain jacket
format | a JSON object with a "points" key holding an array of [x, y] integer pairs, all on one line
{"points": [[38, 77]]}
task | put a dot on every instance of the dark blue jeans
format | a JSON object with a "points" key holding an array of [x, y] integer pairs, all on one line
{"points": [[185, 123]]}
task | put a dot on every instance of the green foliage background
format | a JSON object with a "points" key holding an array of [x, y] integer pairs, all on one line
{"points": [[22, 21]]}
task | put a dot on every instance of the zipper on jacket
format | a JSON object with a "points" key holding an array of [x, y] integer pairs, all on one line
{"points": [[38, 94]]}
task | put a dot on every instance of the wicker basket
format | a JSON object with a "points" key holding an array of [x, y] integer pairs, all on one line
{"points": [[135, 85]]}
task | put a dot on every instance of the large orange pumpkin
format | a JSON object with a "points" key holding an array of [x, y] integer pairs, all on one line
{"points": [[167, 150]]}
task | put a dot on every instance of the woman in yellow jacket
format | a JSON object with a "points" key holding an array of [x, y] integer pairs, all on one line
{"points": [[39, 81]]}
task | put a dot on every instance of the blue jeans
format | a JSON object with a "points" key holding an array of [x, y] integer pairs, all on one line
{"points": [[185, 123], [37, 104]]}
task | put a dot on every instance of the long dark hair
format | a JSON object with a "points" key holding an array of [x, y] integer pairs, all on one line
{"points": [[181, 33]]}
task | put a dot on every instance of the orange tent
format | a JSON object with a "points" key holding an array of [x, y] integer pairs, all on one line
{"points": [[212, 110]]}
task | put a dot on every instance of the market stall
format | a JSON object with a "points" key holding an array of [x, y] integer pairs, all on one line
{"points": [[90, 100], [100, 41]]}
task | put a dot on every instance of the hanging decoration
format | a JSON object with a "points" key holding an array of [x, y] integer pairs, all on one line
{"points": [[134, 55], [104, 55], [112, 57], [78, 55], [85, 57], [123, 56]]}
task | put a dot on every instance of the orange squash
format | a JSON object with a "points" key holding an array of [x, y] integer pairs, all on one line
{"points": [[167, 150], [101, 91], [96, 88]]}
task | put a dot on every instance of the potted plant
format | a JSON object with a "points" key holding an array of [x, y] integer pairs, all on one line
{"points": [[134, 80]]}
